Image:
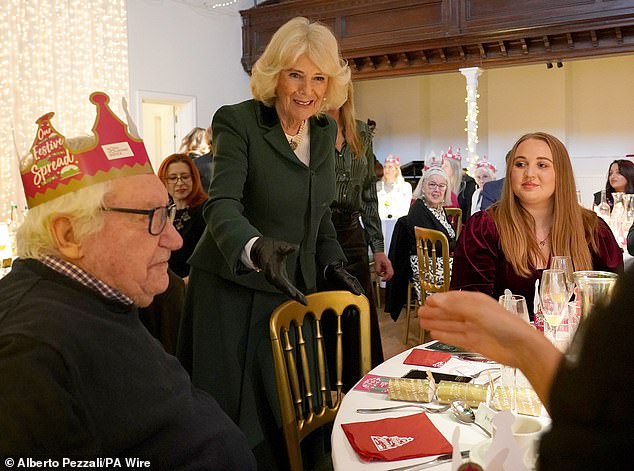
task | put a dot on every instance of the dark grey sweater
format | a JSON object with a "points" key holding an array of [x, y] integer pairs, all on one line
{"points": [[81, 376]]}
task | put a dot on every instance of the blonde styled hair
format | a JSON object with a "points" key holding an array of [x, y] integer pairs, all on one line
{"points": [[296, 37], [34, 239], [573, 229], [349, 121]]}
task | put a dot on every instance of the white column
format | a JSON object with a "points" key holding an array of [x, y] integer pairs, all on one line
{"points": [[472, 74]]}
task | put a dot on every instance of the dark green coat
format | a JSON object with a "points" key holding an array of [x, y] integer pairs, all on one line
{"points": [[258, 188]]}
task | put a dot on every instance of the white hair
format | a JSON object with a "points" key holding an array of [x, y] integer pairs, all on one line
{"points": [[34, 238]]}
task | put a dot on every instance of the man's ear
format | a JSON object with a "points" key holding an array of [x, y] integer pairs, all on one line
{"points": [[64, 236]]}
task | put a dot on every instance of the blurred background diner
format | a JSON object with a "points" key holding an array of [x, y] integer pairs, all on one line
{"points": [[182, 181], [483, 174], [429, 212], [393, 192]]}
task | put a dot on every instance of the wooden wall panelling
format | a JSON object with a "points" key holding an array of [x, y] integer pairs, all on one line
{"points": [[382, 38]]}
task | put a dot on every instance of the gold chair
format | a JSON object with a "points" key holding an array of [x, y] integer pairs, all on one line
{"points": [[428, 245], [455, 219], [295, 375]]}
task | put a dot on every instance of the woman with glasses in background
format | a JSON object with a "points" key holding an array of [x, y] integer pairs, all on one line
{"points": [[428, 212], [182, 180]]}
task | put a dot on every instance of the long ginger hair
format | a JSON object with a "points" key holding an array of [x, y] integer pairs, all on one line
{"points": [[573, 229]]}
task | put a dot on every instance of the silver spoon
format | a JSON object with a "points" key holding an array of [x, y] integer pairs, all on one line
{"points": [[465, 415], [417, 406]]}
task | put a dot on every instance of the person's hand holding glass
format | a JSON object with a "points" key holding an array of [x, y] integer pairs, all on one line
{"points": [[554, 293]]}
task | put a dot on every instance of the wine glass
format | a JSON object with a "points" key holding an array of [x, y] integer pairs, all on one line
{"points": [[554, 294], [564, 263]]}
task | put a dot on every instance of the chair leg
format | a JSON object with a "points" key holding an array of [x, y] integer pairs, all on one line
{"points": [[407, 308]]}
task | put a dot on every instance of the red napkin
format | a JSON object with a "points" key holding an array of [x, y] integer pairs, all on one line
{"points": [[394, 439], [421, 357]]}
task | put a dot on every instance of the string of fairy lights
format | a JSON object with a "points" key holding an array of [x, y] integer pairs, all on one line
{"points": [[53, 55], [471, 74]]}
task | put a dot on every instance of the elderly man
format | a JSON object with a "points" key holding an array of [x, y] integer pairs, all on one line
{"points": [[82, 379]]}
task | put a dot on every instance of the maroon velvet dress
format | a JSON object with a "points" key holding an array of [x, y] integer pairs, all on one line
{"points": [[479, 263]]}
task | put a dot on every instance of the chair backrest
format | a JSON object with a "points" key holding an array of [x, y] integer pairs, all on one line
{"points": [[429, 245], [455, 219], [300, 361]]}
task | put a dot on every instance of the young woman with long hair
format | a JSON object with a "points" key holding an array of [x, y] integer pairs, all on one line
{"points": [[511, 243]]}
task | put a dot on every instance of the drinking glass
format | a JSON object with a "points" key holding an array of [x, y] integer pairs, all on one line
{"points": [[510, 376], [554, 294], [564, 263], [516, 304]]}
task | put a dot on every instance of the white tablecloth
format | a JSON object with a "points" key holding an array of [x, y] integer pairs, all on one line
{"points": [[343, 455]]}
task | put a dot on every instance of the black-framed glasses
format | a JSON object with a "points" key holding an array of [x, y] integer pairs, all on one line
{"points": [[184, 177], [155, 224]]}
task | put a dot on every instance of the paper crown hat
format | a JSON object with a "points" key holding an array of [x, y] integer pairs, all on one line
{"points": [[433, 166], [390, 159], [484, 163], [432, 160], [450, 155], [52, 169]]}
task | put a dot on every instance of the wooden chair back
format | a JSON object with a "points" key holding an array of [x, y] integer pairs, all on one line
{"points": [[306, 398], [430, 244], [455, 219]]}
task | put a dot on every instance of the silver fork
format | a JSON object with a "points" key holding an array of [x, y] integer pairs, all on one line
{"points": [[431, 410], [474, 376]]}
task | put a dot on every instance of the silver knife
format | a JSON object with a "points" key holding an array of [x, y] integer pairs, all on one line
{"points": [[444, 458]]}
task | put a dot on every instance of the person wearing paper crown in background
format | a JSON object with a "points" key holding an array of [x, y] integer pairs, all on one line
{"points": [[484, 172], [81, 376], [393, 192], [460, 184], [427, 211], [269, 228]]}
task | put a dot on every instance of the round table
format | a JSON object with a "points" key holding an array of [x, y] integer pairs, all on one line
{"points": [[344, 457]]}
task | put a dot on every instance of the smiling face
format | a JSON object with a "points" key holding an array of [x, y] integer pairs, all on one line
{"points": [[179, 181], [300, 92], [123, 254], [434, 189], [618, 181], [533, 173]]}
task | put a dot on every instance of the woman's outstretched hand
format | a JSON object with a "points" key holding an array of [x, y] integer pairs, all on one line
{"points": [[477, 323], [269, 255]]}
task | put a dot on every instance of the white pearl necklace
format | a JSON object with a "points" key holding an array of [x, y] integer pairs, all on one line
{"points": [[296, 140]]}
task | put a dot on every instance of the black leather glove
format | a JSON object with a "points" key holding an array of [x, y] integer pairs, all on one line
{"points": [[338, 275], [269, 255]]}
